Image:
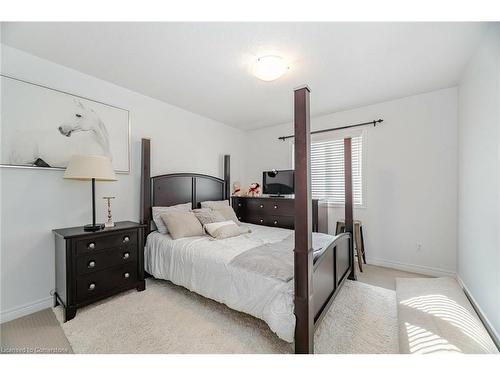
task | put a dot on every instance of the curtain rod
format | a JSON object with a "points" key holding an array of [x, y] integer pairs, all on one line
{"points": [[374, 123]]}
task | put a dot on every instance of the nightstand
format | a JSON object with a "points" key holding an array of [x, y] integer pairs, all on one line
{"points": [[94, 265]]}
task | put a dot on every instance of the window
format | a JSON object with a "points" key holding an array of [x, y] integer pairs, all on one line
{"points": [[327, 170]]}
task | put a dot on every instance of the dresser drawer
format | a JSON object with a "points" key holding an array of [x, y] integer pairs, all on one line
{"points": [[257, 205], [92, 262], [239, 203], [282, 221], [271, 221], [282, 207], [95, 284], [276, 207], [106, 241]]}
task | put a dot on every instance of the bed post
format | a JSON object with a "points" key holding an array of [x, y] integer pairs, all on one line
{"points": [[146, 184], [303, 253], [227, 177], [349, 202]]}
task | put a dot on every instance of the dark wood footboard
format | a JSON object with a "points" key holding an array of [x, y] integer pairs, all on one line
{"points": [[329, 273]]}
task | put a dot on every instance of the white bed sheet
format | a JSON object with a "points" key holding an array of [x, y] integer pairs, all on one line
{"points": [[201, 265]]}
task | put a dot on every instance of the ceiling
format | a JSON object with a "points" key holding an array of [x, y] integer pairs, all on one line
{"points": [[206, 67]]}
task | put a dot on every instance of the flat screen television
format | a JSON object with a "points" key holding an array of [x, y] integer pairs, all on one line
{"points": [[278, 182]]}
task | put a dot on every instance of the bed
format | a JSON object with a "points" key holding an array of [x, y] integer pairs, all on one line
{"points": [[292, 309], [203, 265]]}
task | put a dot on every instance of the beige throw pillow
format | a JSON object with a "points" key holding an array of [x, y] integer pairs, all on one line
{"points": [[157, 211], [182, 224], [207, 216], [228, 213], [225, 229]]}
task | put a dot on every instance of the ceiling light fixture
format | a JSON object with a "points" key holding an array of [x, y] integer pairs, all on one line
{"points": [[269, 68]]}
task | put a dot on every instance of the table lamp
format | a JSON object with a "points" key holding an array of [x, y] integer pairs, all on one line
{"points": [[90, 167]]}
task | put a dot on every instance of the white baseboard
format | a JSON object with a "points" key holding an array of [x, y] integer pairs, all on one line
{"points": [[424, 270], [27, 309], [489, 327]]}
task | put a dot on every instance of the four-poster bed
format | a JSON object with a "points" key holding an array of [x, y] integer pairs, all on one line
{"points": [[315, 289], [292, 307]]}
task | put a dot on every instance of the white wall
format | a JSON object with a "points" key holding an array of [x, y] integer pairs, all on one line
{"points": [[36, 201], [411, 178], [479, 178]]}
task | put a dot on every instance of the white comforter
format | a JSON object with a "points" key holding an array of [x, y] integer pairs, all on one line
{"points": [[201, 265]]}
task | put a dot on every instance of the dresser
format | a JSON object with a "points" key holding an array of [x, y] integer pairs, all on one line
{"points": [[95, 265], [272, 211]]}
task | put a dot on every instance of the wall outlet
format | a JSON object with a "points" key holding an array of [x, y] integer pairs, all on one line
{"points": [[419, 247]]}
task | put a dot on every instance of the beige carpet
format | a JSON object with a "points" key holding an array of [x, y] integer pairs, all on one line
{"points": [[38, 333], [169, 319], [362, 320], [435, 316]]}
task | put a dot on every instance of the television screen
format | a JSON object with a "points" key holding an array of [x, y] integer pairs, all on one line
{"points": [[278, 182]]}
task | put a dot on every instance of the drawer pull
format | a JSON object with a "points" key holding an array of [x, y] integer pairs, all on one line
{"points": [[261, 206], [239, 204], [126, 239], [91, 245], [91, 286], [126, 275], [126, 255], [261, 220], [239, 217], [275, 222], [91, 264], [275, 206]]}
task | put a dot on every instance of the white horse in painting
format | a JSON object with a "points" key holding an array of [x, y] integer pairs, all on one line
{"points": [[44, 148], [86, 120]]}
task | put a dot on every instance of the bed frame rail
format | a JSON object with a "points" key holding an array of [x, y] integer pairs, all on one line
{"points": [[330, 271]]}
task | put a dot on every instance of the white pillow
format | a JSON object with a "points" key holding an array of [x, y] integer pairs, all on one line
{"points": [[157, 211], [214, 204]]}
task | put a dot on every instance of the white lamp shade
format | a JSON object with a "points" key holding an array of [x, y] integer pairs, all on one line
{"points": [[87, 167]]}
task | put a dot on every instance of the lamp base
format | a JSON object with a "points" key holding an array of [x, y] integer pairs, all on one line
{"points": [[93, 228]]}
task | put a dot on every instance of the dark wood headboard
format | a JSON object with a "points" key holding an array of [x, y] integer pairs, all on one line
{"points": [[178, 188]]}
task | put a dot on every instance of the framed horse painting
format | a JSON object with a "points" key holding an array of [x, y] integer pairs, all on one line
{"points": [[44, 127]]}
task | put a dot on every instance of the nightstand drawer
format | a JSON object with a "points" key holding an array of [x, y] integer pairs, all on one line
{"points": [[106, 241], [95, 284], [92, 262]]}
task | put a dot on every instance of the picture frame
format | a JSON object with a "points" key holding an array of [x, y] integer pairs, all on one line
{"points": [[42, 127]]}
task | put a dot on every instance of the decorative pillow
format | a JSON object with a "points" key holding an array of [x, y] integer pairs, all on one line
{"points": [[228, 213], [214, 204], [225, 229], [182, 224], [157, 211], [207, 216]]}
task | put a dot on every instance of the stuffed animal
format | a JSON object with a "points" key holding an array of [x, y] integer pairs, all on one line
{"points": [[237, 192], [254, 190]]}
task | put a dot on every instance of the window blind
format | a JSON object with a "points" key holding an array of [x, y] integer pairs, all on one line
{"points": [[327, 170]]}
